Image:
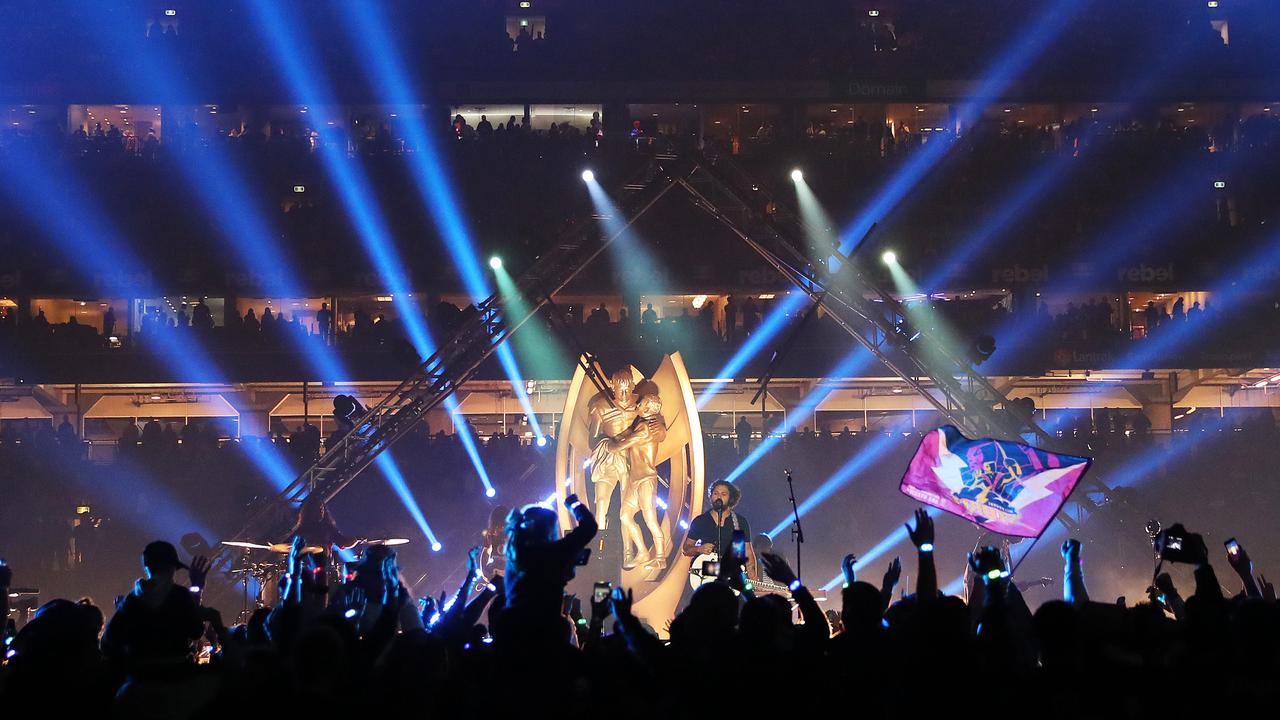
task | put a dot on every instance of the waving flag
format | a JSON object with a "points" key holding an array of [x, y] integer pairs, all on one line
{"points": [[1006, 487]]}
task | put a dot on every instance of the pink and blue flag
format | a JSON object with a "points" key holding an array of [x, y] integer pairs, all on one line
{"points": [[1005, 487]]}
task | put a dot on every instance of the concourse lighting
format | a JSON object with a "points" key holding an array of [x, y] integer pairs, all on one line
{"points": [[1219, 184], [889, 257], [796, 175], [495, 262], [588, 176], [299, 188]]}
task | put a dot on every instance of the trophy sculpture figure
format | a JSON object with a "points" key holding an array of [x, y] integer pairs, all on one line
{"points": [[640, 492], [611, 429], [643, 444]]}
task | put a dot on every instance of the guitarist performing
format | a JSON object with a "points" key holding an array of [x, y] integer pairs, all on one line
{"points": [[712, 531]]}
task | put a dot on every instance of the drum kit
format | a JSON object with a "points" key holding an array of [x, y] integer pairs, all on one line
{"points": [[265, 563]]}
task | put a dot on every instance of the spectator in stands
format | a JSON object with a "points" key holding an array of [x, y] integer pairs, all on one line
{"points": [[743, 432], [649, 316], [201, 318], [109, 322]]}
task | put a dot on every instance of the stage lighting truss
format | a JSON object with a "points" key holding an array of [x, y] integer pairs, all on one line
{"points": [[871, 315], [863, 309], [484, 327]]}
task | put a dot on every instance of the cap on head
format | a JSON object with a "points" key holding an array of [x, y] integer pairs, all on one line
{"points": [[159, 555]]}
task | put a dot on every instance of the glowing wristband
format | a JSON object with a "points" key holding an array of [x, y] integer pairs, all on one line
{"points": [[582, 621], [926, 547], [574, 507], [795, 585], [350, 613], [194, 588]]}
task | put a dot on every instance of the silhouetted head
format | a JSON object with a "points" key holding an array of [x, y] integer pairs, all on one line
{"points": [[160, 559], [536, 522]]}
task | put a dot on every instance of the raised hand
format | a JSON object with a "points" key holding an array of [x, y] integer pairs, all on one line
{"points": [[199, 571], [1268, 590], [1240, 562], [847, 567], [988, 564], [600, 608], [621, 603], [390, 580], [1071, 551], [352, 602], [473, 561], [777, 569], [429, 609], [922, 535], [295, 555], [891, 576]]}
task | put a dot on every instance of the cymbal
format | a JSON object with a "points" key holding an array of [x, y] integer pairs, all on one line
{"points": [[286, 547], [244, 544], [388, 541]]}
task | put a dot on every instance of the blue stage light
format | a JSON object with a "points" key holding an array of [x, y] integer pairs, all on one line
{"points": [[490, 492], [890, 541], [389, 73], [391, 471], [994, 81], [865, 456], [853, 363], [775, 320], [354, 192], [588, 176]]}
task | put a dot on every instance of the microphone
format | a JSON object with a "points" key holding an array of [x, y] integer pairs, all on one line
{"points": [[717, 505]]}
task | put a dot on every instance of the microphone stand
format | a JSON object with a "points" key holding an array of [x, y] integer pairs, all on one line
{"points": [[797, 532]]}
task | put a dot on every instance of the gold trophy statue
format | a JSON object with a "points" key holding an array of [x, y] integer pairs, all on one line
{"points": [[640, 492], [611, 429], [646, 445]]}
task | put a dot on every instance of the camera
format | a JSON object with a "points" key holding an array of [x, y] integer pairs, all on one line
{"points": [[600, 592], [1233, 548], [1175, 544]]}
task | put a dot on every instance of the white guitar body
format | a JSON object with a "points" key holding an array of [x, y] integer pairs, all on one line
{"points": [[699, 566], [700, 573]]}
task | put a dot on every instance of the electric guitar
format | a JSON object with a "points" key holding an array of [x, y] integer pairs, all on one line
{"points": [[706, 568]]}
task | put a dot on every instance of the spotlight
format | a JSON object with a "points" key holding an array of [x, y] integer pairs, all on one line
{"points": [[495, 262], [542, 441], [588, 176], [490, 492], [889, 257], [436, 547], [796, 175]]}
